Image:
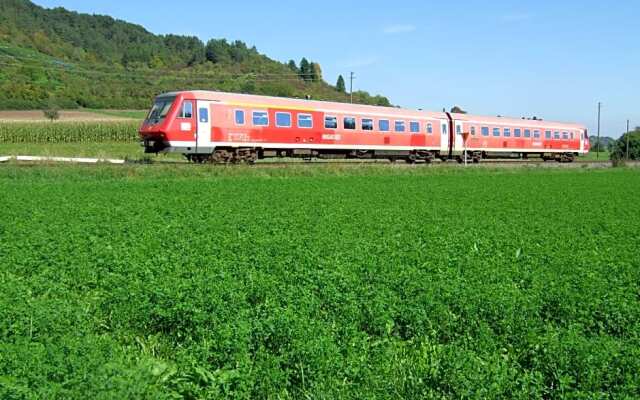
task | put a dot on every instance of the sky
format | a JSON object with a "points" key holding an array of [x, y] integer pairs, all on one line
{"points": [[551, 59]]}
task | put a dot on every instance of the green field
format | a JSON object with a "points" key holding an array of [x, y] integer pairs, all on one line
{"points": [[309, 282], [593, 156]]}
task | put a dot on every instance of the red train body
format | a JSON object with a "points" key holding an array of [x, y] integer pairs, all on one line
{"points": [[226, 127]]}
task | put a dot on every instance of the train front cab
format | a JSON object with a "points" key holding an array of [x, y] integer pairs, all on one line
{"points": [[178, 123]]}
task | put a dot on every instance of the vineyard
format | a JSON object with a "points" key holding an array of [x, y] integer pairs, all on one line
{"points": [[68, 132], [314, 282]]}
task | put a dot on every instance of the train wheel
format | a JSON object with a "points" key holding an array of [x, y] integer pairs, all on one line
{"points": [[221, 157], [246, 156], [567, 158]]}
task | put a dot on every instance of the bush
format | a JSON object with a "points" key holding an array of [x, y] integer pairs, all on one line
{"points": [[52, 114], [619, 150]]}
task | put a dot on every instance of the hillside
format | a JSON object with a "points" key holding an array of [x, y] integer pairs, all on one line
{"points": [[67, 59]]}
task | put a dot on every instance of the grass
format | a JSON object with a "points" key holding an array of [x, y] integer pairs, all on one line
{"points": [[318, 282], [593, 156]]}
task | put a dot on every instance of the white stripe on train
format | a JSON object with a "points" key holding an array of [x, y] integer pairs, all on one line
{"points": [[192, 145]]}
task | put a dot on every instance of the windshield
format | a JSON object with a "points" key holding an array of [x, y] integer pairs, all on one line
{"points": [[160, 109]]}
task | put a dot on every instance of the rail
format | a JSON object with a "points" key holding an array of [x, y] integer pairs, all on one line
{"points": [[30, 160]]}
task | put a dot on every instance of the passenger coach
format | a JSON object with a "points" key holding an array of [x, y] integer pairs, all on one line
{"points": [[228, 128]]}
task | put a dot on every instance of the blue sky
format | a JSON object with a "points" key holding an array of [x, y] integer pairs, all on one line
{"points": [[551, 59]]}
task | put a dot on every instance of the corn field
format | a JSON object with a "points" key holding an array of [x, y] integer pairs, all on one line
{"points": [[69, 132]]}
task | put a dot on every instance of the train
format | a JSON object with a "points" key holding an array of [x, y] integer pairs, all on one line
{"points": [[225, 128]]}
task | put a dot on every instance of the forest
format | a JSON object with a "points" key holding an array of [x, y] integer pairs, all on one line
{"points": [[60, 58]]}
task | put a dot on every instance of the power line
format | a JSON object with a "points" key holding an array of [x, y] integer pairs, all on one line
{"points": [[157, 75], [70, 66]]}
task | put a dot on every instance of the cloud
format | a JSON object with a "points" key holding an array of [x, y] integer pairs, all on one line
{"points": [[395, 29], [518, 17]]}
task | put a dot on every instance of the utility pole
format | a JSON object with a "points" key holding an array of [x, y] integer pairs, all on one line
{"points": [[598, 144], [351, 78], [627, 140]]}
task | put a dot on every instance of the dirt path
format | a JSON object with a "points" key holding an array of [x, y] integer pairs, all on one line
{"points": [[74, 115]]}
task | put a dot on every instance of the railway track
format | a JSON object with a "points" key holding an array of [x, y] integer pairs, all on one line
{"points": [[30, 160]]}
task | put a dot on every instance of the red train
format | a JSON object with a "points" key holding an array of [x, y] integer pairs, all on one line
{"points": [[228, 128]]}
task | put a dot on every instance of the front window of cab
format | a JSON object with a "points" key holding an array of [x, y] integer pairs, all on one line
{"points": [[160, 110]]}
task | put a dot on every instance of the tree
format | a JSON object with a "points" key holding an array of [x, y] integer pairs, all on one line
{"points": [[305, 69], [458, 110], [619, 151], [316, 72], [217, 51], [292, 66], [340, 85], [51, 113], [239, 51]]}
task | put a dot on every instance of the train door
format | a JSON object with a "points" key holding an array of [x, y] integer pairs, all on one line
{"points": [[444, 136], [582, 135], [459, 139], [203, 139]]}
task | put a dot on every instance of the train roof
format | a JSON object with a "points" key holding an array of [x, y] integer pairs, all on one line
{"points": [[311, 105], [533, 123], [258, 101]]}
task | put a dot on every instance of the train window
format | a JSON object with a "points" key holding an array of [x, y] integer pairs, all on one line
{"points": [[459, 129], [331, 122], [473, 130], [507, 132], [305, 121], [160, 109], [517, 132], [572, 136], [536, 134], [527, 133], [283, 120], [430, 128], [414, 127], [556, 135], [400, 126], [204, 115], [383, 125], [367, 124], [496, 132], [444, 129], [349, 123], [485, 131], [260, 118], [187, 110], [239, 117], [565, 135], [547, 134]]}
